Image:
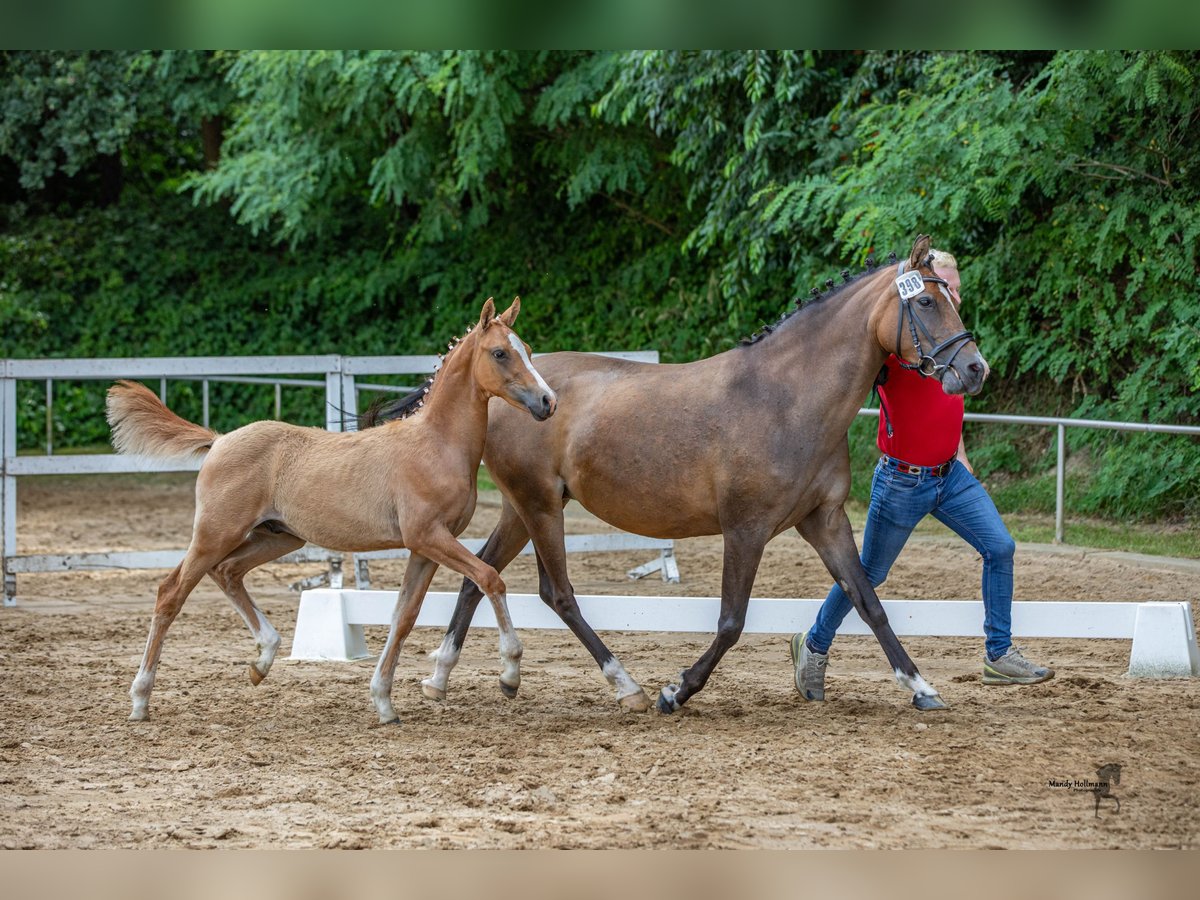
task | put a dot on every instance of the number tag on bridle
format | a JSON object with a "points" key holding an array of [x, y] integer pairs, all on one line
{"points": [[910, 284]]}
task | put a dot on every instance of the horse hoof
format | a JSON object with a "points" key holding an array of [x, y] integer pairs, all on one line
{"points": [[433, 693], [666, 700], [139, 716], [395, 721], [509, 690], [926, 702], [638, 702], [256, 677]]}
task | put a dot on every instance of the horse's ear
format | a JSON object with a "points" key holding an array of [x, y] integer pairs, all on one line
{"points": [[920, 251], [487, 313], [510, 315]]}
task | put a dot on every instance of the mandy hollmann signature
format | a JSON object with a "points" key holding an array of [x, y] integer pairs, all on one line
{"points": [[1101, 789]]}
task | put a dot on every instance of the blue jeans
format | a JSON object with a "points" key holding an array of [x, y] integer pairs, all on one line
{"points": [[899, 501]]}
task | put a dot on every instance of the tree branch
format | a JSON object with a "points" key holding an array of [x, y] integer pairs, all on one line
{"points": [[1125, 171], [639, 215]]}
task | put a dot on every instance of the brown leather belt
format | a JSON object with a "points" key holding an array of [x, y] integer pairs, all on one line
{"points": [[900, 466]]}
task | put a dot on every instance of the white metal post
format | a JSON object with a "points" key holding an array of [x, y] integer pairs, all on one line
{"points": [[341, 398], [8, 486], [1061, 477], [49, 416]]}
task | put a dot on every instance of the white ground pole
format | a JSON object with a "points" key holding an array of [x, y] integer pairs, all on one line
{"points": [[329, 623]]}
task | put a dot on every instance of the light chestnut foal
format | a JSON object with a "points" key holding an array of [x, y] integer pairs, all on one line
{"points": [[267, 488]]}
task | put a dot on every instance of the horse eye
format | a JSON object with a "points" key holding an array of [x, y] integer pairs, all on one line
{"points": [[925, 300], [499, 354]]}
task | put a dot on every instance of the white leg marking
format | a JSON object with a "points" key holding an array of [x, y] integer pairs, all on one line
{"points": [[445, 658], [916, 684], [524, 357], [266, 638], [619, 678], [510, 644]]}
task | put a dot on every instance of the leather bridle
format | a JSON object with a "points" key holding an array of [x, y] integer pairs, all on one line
{"points": [[926, 365]]}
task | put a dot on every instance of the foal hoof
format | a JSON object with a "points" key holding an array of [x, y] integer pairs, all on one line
{"points": [[926, 702], [638, 702], [509, 690], [666, 700], [433, 693], [256, 677]]}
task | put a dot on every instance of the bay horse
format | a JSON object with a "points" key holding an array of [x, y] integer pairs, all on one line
{"points": [[268, 487], [746, 444]]}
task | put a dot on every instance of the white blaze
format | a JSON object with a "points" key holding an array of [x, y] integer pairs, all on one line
{"points": [[524, 357]]}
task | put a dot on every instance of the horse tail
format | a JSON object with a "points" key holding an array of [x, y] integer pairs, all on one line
{"points": [[382, 411], [142, 425]]}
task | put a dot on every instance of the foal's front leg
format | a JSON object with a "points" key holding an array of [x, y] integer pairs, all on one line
{"points": [[417, 576], [502, 547], [447, 551]]}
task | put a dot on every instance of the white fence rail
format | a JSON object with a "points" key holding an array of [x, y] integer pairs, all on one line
{"points": [[339, 375]]}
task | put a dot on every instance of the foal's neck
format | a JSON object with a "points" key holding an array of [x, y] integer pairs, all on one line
{"points": [[455, 403]]}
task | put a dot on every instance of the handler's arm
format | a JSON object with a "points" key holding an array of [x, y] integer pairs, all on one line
{"points": [[962, 455]]}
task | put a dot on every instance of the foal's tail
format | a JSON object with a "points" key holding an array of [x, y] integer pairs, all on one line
{"points": [[142, 425]]}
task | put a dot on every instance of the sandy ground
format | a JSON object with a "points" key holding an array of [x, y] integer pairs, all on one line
{"points": [[299, 762]]}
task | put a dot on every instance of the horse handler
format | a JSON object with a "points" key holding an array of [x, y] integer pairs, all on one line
{"points": [[924, 470]]}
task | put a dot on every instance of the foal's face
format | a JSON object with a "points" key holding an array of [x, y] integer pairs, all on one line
{"points": [[503, 367], [936, 312]]}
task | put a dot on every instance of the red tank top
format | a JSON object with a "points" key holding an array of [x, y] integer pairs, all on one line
{"points": [[926, 421]]}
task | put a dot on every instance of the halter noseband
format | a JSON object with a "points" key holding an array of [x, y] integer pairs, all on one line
{"points": [[926, 365]]}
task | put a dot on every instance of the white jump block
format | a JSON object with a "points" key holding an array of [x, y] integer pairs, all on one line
{"points": [[329, 622], [324, 629], [1164, 642]]}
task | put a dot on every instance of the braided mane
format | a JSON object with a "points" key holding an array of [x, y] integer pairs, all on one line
{"points": [[383, 410], [816, 295]]}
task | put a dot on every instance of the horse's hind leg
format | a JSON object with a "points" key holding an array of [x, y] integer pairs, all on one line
{"points": [[828, 531], [556, 591], [262, 546], [502, 547], [173, 591]]}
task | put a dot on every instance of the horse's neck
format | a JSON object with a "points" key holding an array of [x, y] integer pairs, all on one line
{"points": [[456, 405], [831, 349]]}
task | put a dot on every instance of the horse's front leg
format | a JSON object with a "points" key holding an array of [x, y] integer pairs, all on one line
{"points": [[446, 550], [502, 547], [546, 527], [743, 552], [828, 530], [417, 576]]}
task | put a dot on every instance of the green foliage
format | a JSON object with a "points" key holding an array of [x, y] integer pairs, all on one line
{"points": [[366, 202]]}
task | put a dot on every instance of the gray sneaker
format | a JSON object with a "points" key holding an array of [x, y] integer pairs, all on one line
{"points": [[810, 668], [1013, 668]]}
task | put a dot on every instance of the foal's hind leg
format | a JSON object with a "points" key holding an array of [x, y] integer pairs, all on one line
{"points": [[262, 546], [502, 547], [172, 592]]}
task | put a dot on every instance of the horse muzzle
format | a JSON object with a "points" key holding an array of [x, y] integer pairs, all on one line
{"points": [[965, 376], [541, 404]]}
